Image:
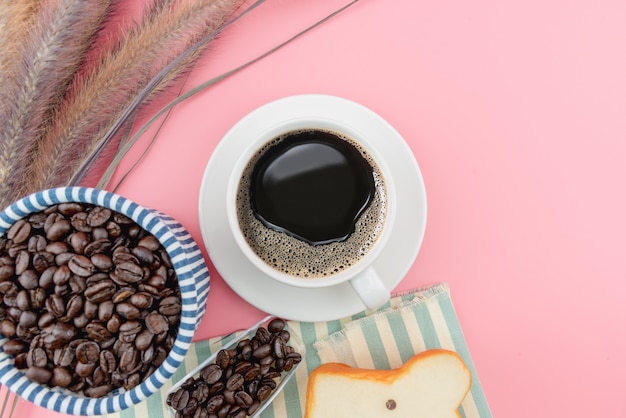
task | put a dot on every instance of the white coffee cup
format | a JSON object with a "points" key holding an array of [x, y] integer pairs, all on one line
{"points": [[362, 276]]}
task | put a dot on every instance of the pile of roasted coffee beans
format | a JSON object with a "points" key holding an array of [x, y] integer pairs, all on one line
{"points": [[89, 300], [240, 379]]}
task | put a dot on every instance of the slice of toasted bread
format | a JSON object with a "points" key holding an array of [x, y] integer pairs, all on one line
{"points": [[431, 384]]}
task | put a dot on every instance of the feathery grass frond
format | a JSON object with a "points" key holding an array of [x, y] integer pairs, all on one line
{"points": [[95, 100], [51, 49]]}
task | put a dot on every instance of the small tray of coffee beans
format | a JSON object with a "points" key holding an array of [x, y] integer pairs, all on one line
{"points": [[243, 377]]}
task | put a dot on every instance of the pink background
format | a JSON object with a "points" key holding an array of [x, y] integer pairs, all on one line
{"points": [[516, 113]]}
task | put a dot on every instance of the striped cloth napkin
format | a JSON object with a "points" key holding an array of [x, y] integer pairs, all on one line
{"points": [[409, 323]]}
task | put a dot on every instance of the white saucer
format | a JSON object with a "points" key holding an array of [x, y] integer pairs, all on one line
{"points": [[321, 304]]}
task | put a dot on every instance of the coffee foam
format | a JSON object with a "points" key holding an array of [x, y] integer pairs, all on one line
{"points": [[298, 258]]}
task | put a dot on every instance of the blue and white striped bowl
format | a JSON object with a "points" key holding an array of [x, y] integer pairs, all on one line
{"points": [[193, 278]]}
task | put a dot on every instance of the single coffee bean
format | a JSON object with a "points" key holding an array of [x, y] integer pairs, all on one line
{"points": [[42, 260], [37, 298], [144, 340], [62, 275], [46, 319], [149, 242], [102, 262], [69, 208], [254, 407], [128, 273], [263, 335], [97, 331], [201, 392], [122, 294], [133, 380], [100, 291], [74, 307], [95, 278], [264, 392], [63, 332], [279, 347], [211, 374], [39, 375], [81, 266], [128, 311], [105, 310], [22, 262], [56, 248], [98, 216], [252, 373], [144, 255], [113, 324], [64, 356], [179, 399], [269, 382], [215, 403], [84, 369], [235, 382], [58, 229], [46, 278], [262, 351], [78, 241], [243, 399], [156, 323], [98, 391], [99, 233], [29, 279], [22, 300], [147, 355], [113, 229], [6, 270], [88, 352], [170, 306], [7, 328], [14, 347], [108, 363], [98, 378], [61, 377], [19, 231], [271, 374], [77, 284], [28, 319], [129, 360], [91, 309], [276, 325], [63, 259], [242, 367], [37, 358], [222, 359], [56, 305], [142, 300], [99, 246]]}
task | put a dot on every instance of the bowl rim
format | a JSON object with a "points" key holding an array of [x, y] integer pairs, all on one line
{"points": [[187, 261]]}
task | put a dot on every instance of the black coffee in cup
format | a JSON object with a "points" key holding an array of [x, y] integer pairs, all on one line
{"points": [[311, 202]]}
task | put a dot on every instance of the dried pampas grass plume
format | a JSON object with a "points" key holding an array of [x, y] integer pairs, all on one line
{"points": [[97, 99], [47, 45]]}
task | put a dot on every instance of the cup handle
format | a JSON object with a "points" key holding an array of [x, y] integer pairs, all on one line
{"points": [[370, 288]]}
